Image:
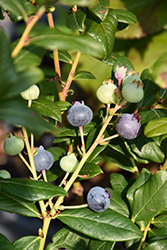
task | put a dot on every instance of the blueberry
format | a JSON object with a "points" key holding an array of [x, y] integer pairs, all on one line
{"points": [[79, 114], [128, 126], [98, 199], [43, 159]]}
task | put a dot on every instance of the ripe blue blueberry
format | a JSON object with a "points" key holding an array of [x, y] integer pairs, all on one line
{"points": [[43, 159], [98, 199], [128, 125], [79, 114]]}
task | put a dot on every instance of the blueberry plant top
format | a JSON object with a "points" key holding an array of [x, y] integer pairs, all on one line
{"points": [[128, 129]]}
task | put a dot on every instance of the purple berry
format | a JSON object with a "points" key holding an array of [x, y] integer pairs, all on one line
{"points": [[79, 114], [43, 159], [128, 126], [98, 199]]}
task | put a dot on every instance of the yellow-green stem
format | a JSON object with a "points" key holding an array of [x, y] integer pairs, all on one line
{"points": [[144, 236], [46, 224], [25, 162], [82, 139], [73, 207], [164, 167], [30, 25]]}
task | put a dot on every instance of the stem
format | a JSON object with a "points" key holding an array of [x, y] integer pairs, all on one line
{"points": [[108, 138], [56, 59], [25, 162], [82, 139], [73, 207], [144, 236], [30, 25], [70, 76], [164, 167], [46, 223], [65, 177]]}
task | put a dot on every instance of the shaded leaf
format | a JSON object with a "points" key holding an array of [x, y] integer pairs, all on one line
{"points": [[53, 39], [90, 169], [106, 226], [123, 61], [30, 190], [68, 238], [63, 105], [100, 9], [117, 204], [100, 245], [160, 221], [5, 243], [83, 75], [152, 114], [26, 243], [157, 245], [47, 108], [125, 16], [150, 198], [75, 20], [79, 2], [118, 182], [14, 205]]}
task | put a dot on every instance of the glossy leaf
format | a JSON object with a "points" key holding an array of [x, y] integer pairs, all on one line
{"points": [[96, 152], [26, 243], [123, 61], [90, 170], [28, 57], [16, 112], [20, 8], [118, 182], [63, 105], [100, 9], [111, 225], [53, 39], [147, 149], [83, 75], [79, 2], [104, 31], [141, 180], [160, 221], [69, 239], [100, 245], [150, 198], [47, 108], [30, 190], [75, 20], [5, 243], [12, 204], [157, 245], [125, 16], [156, 127], [117, 204]]}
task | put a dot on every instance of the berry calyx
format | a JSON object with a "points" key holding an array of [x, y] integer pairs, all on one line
{"points": [[43, 159], [69, 163], [98, 199], [31, 93], [13, 144], [5, 174], [107, 92], [128, 125], [79, 114]]}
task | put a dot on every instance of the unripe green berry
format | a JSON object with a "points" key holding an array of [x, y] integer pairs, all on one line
{"points": [[133, 92], [106, 92], [13, 144], [31, 93], [69, 163], [5, 174]]}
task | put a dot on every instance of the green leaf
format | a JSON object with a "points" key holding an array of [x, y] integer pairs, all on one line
{"points": [[79, 2], [68, 239], [14, 205], [53, 39], [150, 89], [47, 108], [5, 243], [91, 170], [100, 245], [16, 112], [26, 243], [83, 75], [104, 31], [125, 16], [152, 114], [160, 221], [147, 149], [64, 57], [150, 199], [156, 127], [75, 20], [157, 245], [63, 105], [123, 61], [159, 72], [30, 190], [141, 180], [20, 8], [100, 9], [117, 204], [118, 182], [28, 57], [96, 152], [111, 225]]}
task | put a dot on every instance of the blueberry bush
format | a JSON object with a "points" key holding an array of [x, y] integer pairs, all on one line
{"points": [[128, 129]]}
